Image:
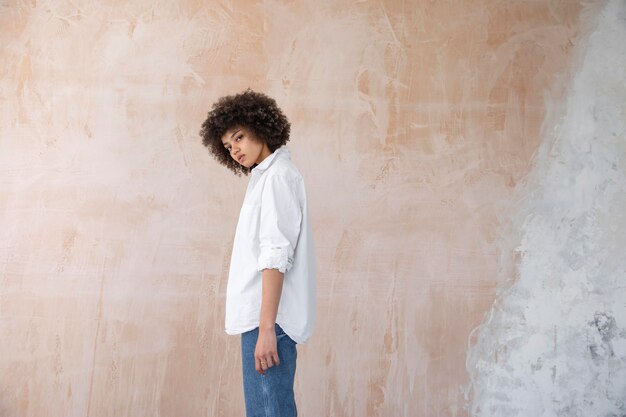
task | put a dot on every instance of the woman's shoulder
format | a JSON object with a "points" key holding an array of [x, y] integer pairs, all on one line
{"points": [[285, 169]]}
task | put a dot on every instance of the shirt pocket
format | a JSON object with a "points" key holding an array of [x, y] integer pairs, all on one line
{"points": [[249, 220]]}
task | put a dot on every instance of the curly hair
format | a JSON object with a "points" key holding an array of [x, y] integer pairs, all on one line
{"points": [[249, 109]]}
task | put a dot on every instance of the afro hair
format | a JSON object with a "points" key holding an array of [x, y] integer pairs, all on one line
{"points": [[252, 110]]}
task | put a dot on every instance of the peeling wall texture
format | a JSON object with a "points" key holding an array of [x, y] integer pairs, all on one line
{"points": [[414, 124], [555, 341]]}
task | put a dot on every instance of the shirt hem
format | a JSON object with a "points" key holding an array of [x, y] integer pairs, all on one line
{"points": [[239, 330]]}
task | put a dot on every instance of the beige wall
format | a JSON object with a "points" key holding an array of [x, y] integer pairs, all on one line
{"points": [[412, 123]]}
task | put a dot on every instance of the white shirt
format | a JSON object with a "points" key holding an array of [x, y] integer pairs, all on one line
{"points": [[273, 231]]}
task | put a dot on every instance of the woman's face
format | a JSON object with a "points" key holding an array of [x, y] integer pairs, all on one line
{"points": [[244, 146]]}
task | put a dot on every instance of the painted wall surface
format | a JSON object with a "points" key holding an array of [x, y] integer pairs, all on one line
{"points": [[412, 123], [554, 343]]}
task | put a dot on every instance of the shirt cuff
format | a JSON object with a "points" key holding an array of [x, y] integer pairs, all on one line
{"points": [[275, 258]]}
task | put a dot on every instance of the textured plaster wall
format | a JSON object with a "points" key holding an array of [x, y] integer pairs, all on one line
{"points": [[554, 343], [412, 124]]}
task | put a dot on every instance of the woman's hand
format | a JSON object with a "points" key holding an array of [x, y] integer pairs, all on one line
{"points": [[266, 351]]}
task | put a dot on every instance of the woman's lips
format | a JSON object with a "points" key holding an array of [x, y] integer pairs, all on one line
{"points": [[241, 158]]}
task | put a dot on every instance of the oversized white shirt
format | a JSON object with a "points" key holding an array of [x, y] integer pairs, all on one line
{"points": [[273, 232]]}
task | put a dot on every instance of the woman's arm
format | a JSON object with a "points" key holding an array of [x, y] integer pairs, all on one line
{"points": [[279, 229], [266, 352]]}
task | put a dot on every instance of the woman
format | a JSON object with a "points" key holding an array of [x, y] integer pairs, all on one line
{"points": [[270, 297]]}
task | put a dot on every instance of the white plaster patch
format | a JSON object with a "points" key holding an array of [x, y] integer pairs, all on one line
{"points": [[554, 343]]}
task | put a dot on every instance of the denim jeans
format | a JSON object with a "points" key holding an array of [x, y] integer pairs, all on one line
{"points": [[269, 395]]}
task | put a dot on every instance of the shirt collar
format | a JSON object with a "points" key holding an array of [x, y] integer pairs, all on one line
{"points": [[282, 152]]}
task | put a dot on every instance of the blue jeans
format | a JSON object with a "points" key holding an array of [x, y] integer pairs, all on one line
{"points": [[269, 395]]}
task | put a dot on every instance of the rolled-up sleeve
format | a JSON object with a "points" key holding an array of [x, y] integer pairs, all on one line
{"points": [[281, 217]]}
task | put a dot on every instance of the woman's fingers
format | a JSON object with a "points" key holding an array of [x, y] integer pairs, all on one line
{"points": [[266, 363], [269, 361]]}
